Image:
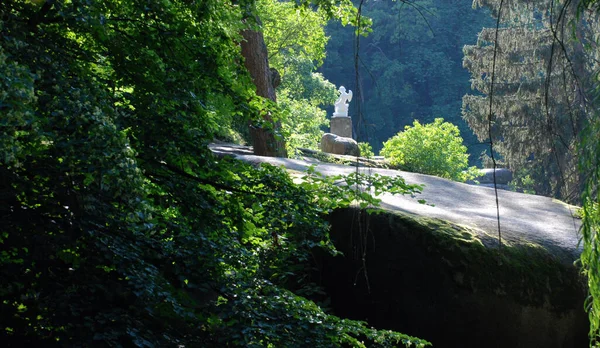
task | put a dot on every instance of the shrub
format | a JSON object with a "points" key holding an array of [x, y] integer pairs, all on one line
{"points": [[366, 150], [524, 181], [435, 148]]}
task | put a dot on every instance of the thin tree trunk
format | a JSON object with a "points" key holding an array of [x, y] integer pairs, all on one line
{"points": [[254, 50]]}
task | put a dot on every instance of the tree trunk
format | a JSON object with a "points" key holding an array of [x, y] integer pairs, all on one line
{"points": [[264, 139]]}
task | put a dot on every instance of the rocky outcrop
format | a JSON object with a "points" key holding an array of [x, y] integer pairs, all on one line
{"points": [[335, 144], [503, 177], [449, 283], [444, 283], [524, 217]]}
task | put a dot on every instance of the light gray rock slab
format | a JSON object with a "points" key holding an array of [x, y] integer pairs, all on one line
{"points": [[523, 217]]}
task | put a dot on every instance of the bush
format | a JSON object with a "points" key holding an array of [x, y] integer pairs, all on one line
{"points": [[366, 150], [435, 148], [523, 181]]}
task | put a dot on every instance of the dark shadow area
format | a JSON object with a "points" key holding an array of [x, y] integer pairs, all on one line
{"points": [[435, 280]]}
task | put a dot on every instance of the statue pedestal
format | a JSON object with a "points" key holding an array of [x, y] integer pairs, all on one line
{"points": [[342, 126]]}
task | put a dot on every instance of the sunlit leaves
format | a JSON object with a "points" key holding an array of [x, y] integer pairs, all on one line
{"points": [[294, 31], [118, 225], [434, 148], [295, 39], [292, 320]]}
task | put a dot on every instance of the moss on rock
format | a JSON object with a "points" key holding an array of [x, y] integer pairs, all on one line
{"points": [[525, 271], [451, 283]]}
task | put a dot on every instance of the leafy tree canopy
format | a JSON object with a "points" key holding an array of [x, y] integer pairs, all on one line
{"points": [[295, 40], [119, 227], [538, 111]]}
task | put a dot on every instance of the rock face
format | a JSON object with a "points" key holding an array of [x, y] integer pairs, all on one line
{"points": [[450, 284], [438, 281], [332, 143], [524, 217]]}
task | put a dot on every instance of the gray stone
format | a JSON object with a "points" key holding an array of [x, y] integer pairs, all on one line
{"points": [[524, 217], [498, 186], [341, 126], [424, 285], [503, 176], [332, 143]]}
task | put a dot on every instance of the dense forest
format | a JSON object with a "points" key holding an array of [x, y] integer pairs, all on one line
{"points": [[409, 68], [119, 227]]}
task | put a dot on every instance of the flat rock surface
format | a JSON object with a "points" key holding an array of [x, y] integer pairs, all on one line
{"points": [[523, 217]]}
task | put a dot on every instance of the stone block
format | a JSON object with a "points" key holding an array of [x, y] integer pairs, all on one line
{"points": [[341, 126]]}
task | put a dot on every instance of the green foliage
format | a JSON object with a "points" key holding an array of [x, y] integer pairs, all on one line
{"points": [[366, 150], [119, 227], [589, 163], [523, 182], [302, 123], [535, 118], [590, 215], [331, 195], [17, 99], [590, 229], [292, 31], [262, 306], [409, 66], [301, 96], [434, 148], [295, 40]]}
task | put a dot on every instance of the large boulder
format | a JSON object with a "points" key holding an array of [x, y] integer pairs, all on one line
{"points": [[503, 176], [450, 285], [335, 144]]}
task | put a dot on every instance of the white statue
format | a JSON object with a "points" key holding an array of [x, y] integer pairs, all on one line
{"points": [[341, 105]]}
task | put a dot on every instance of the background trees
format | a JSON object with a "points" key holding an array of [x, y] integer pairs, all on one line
{"points": [[545, 107], [409, 67], [295, 39], [538, 107]]}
